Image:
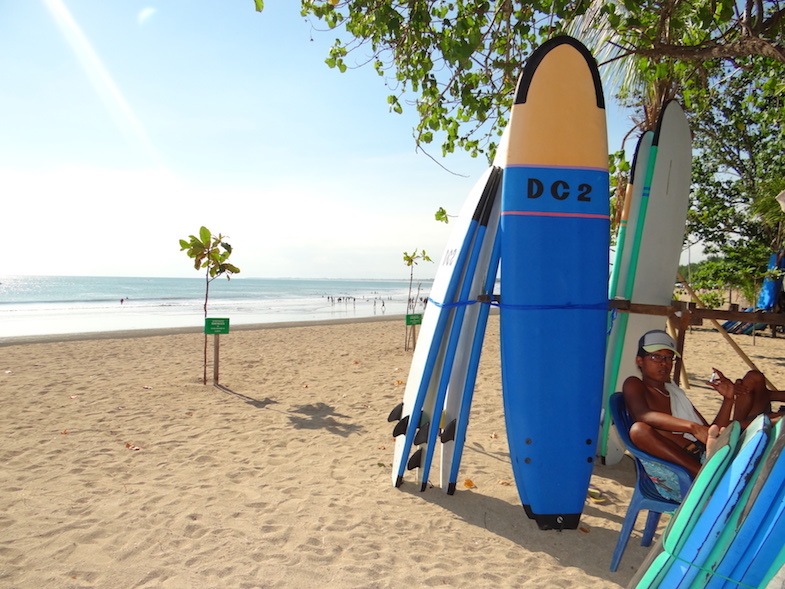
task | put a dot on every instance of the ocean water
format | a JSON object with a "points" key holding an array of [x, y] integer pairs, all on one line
{"points": [[48, 305]]}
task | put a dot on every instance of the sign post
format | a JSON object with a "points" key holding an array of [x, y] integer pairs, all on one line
{"points": [[412, 321], [216, 327]]}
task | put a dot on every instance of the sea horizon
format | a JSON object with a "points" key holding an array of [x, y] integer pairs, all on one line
{"points": [[42, 305]]}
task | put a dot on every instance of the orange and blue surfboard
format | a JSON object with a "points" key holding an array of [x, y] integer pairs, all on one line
{"points": [[555, 230]]}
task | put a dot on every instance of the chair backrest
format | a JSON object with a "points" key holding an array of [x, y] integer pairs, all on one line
{"points": [[651, 470]]}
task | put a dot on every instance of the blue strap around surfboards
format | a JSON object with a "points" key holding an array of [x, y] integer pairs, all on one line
{"points": [[590, 306], [455, 304]]}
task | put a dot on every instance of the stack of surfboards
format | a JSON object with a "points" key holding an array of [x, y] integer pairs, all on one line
{"points": [[648, 248], [728, 531], [444, 365], [542, 212]]}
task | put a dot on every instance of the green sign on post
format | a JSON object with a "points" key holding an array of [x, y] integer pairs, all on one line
{"points": [[414, 319], [216, 326]]}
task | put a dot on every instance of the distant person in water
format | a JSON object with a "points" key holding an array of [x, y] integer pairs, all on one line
{"points": [[667, 425]]}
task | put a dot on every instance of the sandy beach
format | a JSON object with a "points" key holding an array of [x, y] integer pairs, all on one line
{"points": [[122, 470]]}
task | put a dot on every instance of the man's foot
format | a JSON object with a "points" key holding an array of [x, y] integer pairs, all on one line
{"points": [[711, 440]]}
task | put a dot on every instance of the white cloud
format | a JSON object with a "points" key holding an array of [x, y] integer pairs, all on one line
{"points": [[95, 221]]}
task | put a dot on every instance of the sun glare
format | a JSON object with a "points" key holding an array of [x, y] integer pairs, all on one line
{"points": [[100, 79]]}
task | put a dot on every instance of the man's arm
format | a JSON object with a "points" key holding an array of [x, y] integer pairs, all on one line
{"points": [[634, 392]]}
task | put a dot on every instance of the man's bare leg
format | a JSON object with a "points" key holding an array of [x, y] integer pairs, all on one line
{"points": [[650, 440]]}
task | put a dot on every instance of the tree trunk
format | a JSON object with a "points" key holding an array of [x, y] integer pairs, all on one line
{"points": [[206, 294]]}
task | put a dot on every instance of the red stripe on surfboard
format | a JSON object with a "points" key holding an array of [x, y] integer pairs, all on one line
{"points": [[546, 214]]}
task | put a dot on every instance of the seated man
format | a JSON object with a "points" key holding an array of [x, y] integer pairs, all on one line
{"points": [[667, 425]]}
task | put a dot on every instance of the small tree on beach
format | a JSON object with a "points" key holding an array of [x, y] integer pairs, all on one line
{"points": [[411, 259], [209, 253]]}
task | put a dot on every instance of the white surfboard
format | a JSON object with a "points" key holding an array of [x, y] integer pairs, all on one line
{"points": [[611, 446], [660, 224]]}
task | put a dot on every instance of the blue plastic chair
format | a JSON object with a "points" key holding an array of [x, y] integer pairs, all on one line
{"points": [[647, 494]]}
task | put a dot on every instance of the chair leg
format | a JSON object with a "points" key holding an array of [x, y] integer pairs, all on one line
{"points": [[651, 526], [624, 537]]}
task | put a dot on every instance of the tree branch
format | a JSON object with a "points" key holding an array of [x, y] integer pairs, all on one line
{"points": [[744, 47]]}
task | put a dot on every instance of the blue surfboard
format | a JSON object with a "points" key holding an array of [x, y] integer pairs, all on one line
{"points": [[737, 547], [554, 269]]}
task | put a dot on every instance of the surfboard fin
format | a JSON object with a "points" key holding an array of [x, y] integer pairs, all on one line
{"points": [[422, 434], [400, 427], [448, 433], [396, 413], [415, 461]]}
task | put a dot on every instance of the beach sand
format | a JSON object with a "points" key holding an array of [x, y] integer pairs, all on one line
{"points": [[120, 469]]}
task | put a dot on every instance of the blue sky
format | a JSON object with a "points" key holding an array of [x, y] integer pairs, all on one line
{"points": [[128, 125]]}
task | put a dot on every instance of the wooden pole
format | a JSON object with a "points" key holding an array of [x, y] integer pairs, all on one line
{"points": [[680, 330], [724, 333], [216, 347]]}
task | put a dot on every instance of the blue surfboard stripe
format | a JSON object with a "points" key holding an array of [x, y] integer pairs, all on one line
{"points": [[460, 303], [561, 192], [474, 361], [439, 332], [457, 324]]}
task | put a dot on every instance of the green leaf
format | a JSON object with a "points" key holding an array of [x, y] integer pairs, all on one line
{"points": [[441, 215]]}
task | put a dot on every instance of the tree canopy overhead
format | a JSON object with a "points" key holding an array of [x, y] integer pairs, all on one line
{"points": [[456, 61]]}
